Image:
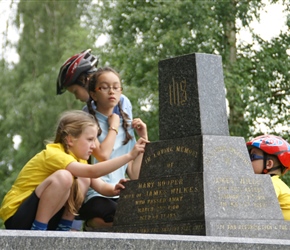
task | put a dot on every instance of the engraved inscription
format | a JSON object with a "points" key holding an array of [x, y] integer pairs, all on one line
{"points": [[177, 93], [240, 192], [174, 149], [228, 153], [162, 199], [255, 227], [191, 228]]}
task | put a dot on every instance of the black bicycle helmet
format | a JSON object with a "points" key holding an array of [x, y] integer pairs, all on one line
{"points": [[73, 68]]}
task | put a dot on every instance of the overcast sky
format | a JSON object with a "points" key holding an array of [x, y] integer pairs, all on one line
{"points": [[272, 22]]}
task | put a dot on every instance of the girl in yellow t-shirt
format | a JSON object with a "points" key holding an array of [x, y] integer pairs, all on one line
{"points": [[50, 188], [270, 154]]}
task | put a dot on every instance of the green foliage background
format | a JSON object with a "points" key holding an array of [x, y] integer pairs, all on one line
{"points": [[140, 33]]}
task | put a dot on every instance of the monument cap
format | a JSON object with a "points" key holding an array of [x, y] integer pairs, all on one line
{"points": [[273, 145]]}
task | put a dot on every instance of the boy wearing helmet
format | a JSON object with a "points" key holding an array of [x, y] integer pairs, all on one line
{"points": [[270, 154], [74, 76]]}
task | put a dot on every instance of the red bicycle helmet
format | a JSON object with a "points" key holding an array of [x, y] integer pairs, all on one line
{"points": [[73, 68], [273, 145]]}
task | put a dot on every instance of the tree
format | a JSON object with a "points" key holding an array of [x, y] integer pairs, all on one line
{"points": [[140, 33], [257, 81], [50, 31], [143, 32]]}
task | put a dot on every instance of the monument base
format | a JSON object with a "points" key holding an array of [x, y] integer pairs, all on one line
{"points": [[274, 229], [12, 239]]}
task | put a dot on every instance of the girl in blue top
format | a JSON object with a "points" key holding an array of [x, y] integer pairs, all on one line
{"points": [[74, 77], [116, 138]]}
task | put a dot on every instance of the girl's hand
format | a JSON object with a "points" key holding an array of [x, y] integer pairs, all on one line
{"points": [[119, 186], [140, 128], [139, 147]]}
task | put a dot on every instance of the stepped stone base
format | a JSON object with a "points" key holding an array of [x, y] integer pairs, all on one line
{"points": [[12, 239]]}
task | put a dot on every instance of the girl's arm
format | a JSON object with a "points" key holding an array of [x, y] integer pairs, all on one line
{"points": [[107, 189], [134, 166], [103, 168], [103, 150]]}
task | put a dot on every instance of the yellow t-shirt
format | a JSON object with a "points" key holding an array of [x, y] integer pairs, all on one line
{"points": [[283, 195], [35, 171]]}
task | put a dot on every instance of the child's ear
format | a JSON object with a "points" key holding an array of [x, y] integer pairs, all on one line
{"points": [[269, 164], [69, 140], [93, 95]]}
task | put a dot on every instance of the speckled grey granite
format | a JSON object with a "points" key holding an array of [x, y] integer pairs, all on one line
{"points": [[192, 96], [196, 189], [200, 185], [198, 180], [34, 240]]}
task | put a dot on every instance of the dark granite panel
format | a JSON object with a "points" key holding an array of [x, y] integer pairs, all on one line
{"points": [[172, 157], [175, 198], [191, 97]]}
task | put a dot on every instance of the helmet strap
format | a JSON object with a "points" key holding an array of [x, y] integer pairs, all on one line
{"points": [[265, 170], [278, 167], [80, 83]]}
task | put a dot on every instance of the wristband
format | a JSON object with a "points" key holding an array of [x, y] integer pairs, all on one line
{"points": [[113, 128]]}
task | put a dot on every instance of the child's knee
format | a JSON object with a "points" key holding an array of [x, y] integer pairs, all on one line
{"points": [[65, 178]]}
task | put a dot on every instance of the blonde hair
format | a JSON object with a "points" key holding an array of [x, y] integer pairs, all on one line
{"points": [[73, 123]]}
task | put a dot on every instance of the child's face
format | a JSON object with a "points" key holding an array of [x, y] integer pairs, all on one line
{"points": [[82, 147], [258, 164], [80, 92], [108, 91]]}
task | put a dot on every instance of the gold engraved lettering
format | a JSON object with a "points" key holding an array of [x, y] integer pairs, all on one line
{"points": [[174, 182], [175, 199], [168, 216], [283, 227], [230, 196], [148, 159], [177, 93], [249, 181], [139, 202], [146, 185], [220, 227], [224, 180], [129, 196], [234, 204], [145, 209], [156, 201], [223, 204], [173, 207], [231, 151], [259, 205], [149, 217], [163, 151], [156, 192], [183, 190], [186, 150], [253, 189], [255, 227]]}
